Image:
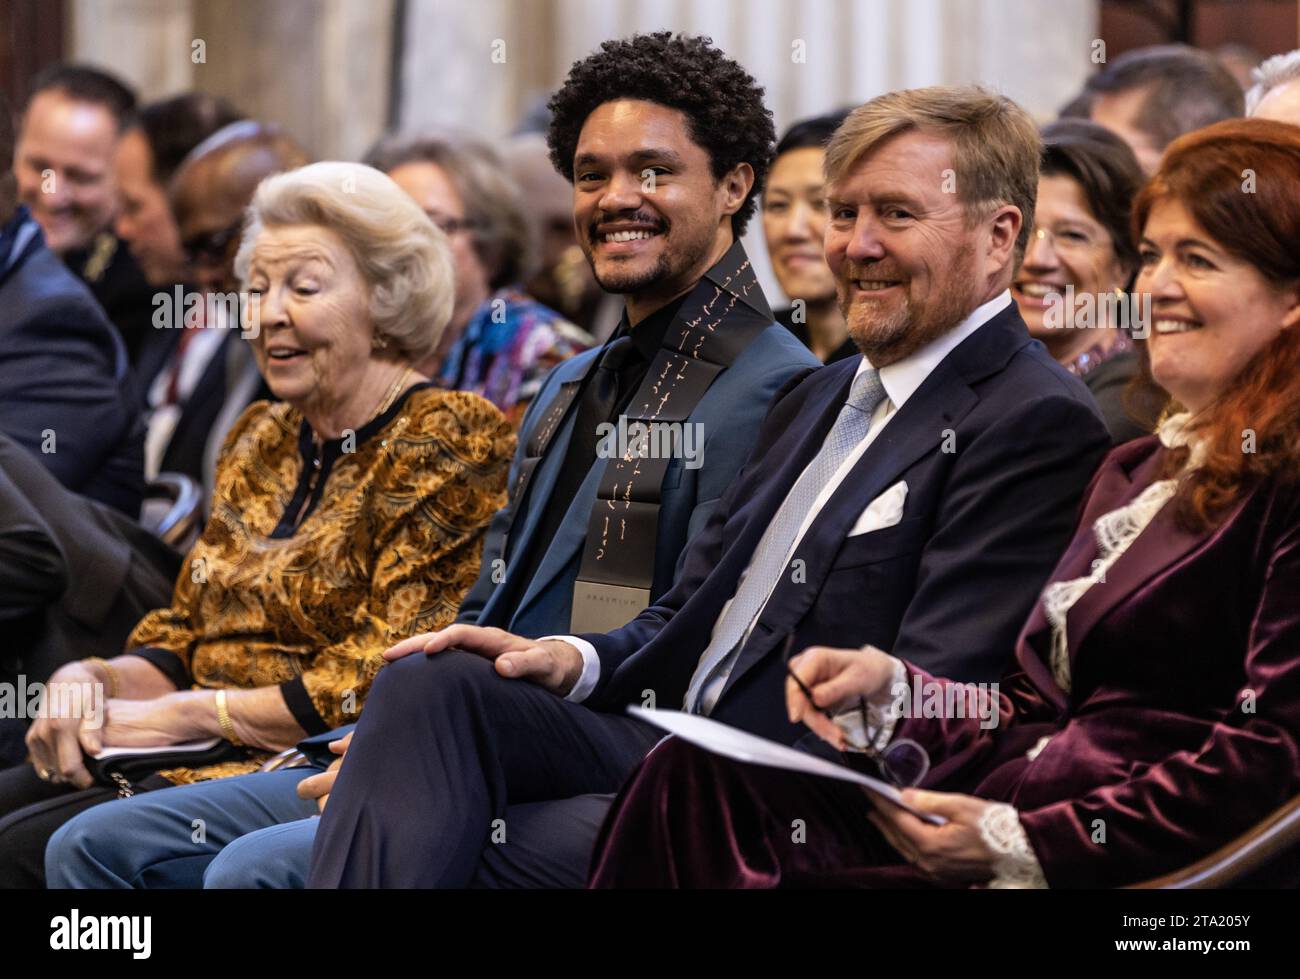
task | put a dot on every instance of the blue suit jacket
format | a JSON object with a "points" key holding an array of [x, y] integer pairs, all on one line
{"points": [[730, 414], [63, 368], [947, 588]]}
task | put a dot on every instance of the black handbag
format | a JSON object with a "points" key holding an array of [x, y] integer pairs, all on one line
{"points": [[139, 772]]}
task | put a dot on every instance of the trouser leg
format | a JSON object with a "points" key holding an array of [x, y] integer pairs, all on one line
{"points": [[444, 745], [276, 857], [167, 838], [30, 811], [544, 844]]}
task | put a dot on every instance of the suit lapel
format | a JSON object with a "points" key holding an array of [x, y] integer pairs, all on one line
{"points": [[1035, 643], [537, 497], [1161, 544]]}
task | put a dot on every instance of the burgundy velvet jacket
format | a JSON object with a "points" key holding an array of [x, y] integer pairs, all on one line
{"points": [[1182, 726]]}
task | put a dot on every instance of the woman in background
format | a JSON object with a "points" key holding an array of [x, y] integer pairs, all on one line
{"points": [[1082, 241], [500, 343], [794, 220]]}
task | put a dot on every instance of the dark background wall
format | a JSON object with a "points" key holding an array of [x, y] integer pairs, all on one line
{"points": [[1268, 26]]}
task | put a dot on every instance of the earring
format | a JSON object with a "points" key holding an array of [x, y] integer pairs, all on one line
{"points": [[378, 342]]}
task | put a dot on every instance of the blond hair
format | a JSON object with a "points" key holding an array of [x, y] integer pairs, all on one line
{"points": [[995, 144], [402, 255]]}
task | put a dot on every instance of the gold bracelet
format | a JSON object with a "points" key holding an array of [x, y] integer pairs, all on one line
{"points": [[223, 718], [114, 684]]}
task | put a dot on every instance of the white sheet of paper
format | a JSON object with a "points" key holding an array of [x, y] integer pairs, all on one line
{"points": [[118, 752], [742, 746]]}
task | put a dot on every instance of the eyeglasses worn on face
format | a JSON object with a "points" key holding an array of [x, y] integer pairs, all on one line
{"points": [[1070, 240], [210, 246]]}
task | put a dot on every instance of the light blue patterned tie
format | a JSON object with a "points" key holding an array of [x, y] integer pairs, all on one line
{"points": [[768, 562]]}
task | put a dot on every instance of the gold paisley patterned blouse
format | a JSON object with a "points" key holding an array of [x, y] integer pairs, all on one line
{"points": [[388, 544]]}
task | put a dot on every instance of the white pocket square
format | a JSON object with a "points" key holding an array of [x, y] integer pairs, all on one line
{"points": [[884, 511]]}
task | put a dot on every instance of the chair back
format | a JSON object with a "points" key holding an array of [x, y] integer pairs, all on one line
{"points": [[1270, 842]]}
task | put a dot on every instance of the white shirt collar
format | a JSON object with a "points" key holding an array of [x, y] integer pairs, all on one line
{"points": [[901, 378]]}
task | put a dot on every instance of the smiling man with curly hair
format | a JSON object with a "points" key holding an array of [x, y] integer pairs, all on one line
{"points": [[720, 104]]}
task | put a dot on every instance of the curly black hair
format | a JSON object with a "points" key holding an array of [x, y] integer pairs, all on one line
{"points": [[722, 101]]}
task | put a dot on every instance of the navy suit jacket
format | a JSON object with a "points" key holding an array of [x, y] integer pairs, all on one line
{"points": [[216, 394], [63, 368], [996, 447], [729, 414], [75, 578]]}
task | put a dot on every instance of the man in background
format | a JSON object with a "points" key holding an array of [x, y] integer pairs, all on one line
{"points": [[176, 368], [66, 390], [1151, 96], [71, 123]]}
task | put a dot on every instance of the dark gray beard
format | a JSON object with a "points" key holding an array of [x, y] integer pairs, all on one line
{"points": [[625, 283]]}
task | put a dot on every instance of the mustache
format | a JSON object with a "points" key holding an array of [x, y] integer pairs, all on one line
{"points": [[880, 271]]}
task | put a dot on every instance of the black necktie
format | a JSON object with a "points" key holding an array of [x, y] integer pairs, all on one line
{"points": [[602, 395]]}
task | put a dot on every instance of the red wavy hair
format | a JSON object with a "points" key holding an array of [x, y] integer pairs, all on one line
{"points": [[1204, 171]]}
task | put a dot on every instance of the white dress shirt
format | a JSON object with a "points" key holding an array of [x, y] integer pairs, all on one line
{"points": [[900, 381], [164, 415]]}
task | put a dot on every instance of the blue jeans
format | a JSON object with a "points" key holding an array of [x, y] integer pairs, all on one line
{"points": [[190, 836], [276, 858]]}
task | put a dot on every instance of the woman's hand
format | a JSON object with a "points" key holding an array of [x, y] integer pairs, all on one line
{"points": [[164, 720], [837, 678], [320, 786], [72, 713], [951, 852]]}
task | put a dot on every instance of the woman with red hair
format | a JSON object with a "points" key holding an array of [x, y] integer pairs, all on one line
{"points": [[1155, 711]]}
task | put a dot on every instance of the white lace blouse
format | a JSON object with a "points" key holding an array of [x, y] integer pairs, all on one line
{"points": [[999, 824]]}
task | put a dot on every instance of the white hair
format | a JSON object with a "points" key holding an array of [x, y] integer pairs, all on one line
{"points": [[1276, 71], [402, 255]]}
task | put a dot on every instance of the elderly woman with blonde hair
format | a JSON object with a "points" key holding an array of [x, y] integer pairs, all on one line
{"points": [[346, 516]]}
